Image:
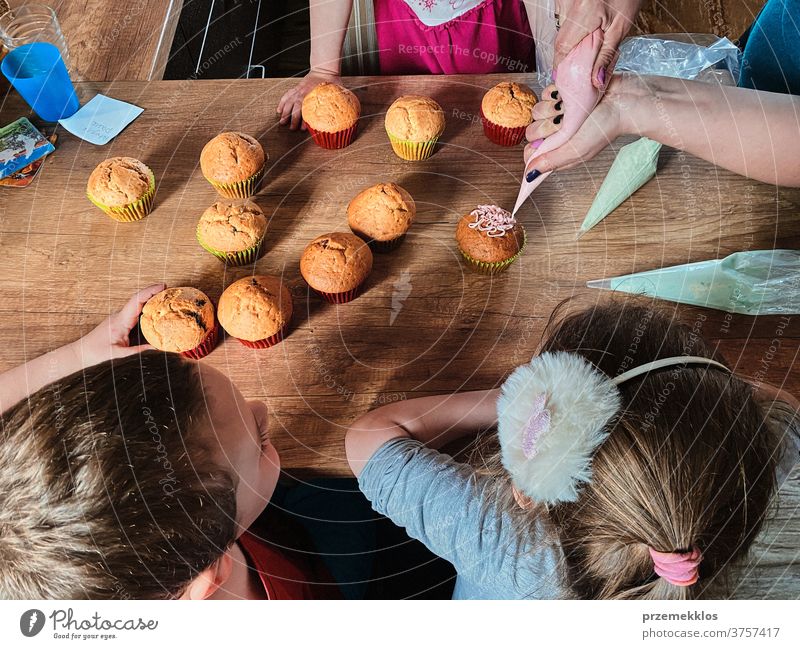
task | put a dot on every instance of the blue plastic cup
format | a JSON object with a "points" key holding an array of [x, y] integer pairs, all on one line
{"points": [[38, 73]]}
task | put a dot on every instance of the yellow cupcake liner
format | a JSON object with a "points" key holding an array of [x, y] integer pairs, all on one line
{"points": [[241, 189], [135, 211], [493, 268], [240, 258], [408, 150]]}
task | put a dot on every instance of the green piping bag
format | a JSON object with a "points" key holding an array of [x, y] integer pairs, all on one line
{"points": [[754, 282], [634, 165]]}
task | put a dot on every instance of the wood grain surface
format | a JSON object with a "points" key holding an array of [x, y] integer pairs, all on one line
{"points": [[425, 323], [116, 40]]}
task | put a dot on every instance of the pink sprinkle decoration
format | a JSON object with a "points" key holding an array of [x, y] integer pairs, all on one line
{"points": [[493, 220], [538, 424]]}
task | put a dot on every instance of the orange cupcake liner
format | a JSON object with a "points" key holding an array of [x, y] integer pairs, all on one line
{"points": [[135, 211], [205, 347], [241, 258], [412, 151], [264, 343], [493, 268], [380, 246], [242, 189], [333, 139], [502, 135]]}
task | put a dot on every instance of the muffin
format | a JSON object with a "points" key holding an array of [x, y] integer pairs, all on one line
{"points": [[336, 265], [123, 188], [232, 232], [381, 215], [256, 310], [490, 239], [233, 163], [180, 320], [330, 113], [506, 111], [414, 125]]}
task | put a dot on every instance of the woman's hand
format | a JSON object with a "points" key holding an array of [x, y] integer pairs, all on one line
{"points": [[600, 129], [291, 103], [110, 339], [581, 17]]}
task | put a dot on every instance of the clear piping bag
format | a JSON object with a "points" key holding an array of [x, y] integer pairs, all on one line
{"points": [[754, 282]]}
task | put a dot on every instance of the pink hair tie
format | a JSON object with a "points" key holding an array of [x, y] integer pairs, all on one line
{"points": [[678, 568]]}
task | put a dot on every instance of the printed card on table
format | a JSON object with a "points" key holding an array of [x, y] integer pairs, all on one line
{"points": [[21, 144]]}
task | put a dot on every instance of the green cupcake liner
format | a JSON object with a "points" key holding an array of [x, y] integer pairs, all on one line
{"points": [[493, 268], [240, 258], [241, 189], [135, 211], [413, 151]]}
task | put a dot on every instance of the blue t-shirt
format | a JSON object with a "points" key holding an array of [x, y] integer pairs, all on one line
{"points": [[454, 512]]}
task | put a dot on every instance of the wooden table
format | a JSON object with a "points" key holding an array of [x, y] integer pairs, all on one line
{"points": [[110, 40], [425, 324]]}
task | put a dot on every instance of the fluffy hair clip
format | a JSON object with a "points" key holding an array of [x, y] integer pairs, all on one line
{"points": [[553, 414]]}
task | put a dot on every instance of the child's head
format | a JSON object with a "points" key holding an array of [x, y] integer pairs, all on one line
{"points": [[688, 463], [130, 479]]}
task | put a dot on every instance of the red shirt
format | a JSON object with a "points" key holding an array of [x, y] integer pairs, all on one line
{"points": [[281, 576]]}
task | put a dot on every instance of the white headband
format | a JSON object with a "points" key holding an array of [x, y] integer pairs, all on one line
{"points": [[552, 417]]}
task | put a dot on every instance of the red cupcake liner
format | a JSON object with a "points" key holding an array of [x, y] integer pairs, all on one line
{"points": [[340, 298], [205, 347], [333, 140], [502, 135], [266, 342]]}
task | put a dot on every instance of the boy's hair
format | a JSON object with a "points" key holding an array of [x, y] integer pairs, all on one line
{"points": [[689, 462], [106, 488]]}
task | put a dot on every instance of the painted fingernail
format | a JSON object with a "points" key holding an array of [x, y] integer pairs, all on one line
{"points": [[554, 94], [601, 76], [537, 143], [533, 175], [557, 119], [553, 74], [558, 105]]}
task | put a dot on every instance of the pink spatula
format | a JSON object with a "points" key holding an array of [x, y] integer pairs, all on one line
{"points": [[574, 83]]}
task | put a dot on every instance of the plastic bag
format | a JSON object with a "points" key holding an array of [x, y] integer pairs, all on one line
{"points": [[754, 282], [685, 56]]}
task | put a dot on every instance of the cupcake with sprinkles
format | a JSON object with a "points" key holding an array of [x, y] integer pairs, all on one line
{"points": [[490, 239]]}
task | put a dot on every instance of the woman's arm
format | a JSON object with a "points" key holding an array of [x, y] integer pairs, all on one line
{"points": [[434, 421], [753, 133], [329, 20], [106, 341]]}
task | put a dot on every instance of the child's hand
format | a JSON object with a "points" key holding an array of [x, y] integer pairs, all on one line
{"points": [[110, 339], [292, 101], [581, 17]]}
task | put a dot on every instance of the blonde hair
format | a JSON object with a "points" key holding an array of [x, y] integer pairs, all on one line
{"points": [[689, 461]]}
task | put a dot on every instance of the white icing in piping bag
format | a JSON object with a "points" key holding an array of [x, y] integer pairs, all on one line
{"points": [[576, 90]]}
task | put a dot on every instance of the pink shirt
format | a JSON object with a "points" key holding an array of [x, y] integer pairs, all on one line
{"points": [[490, 36]]}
